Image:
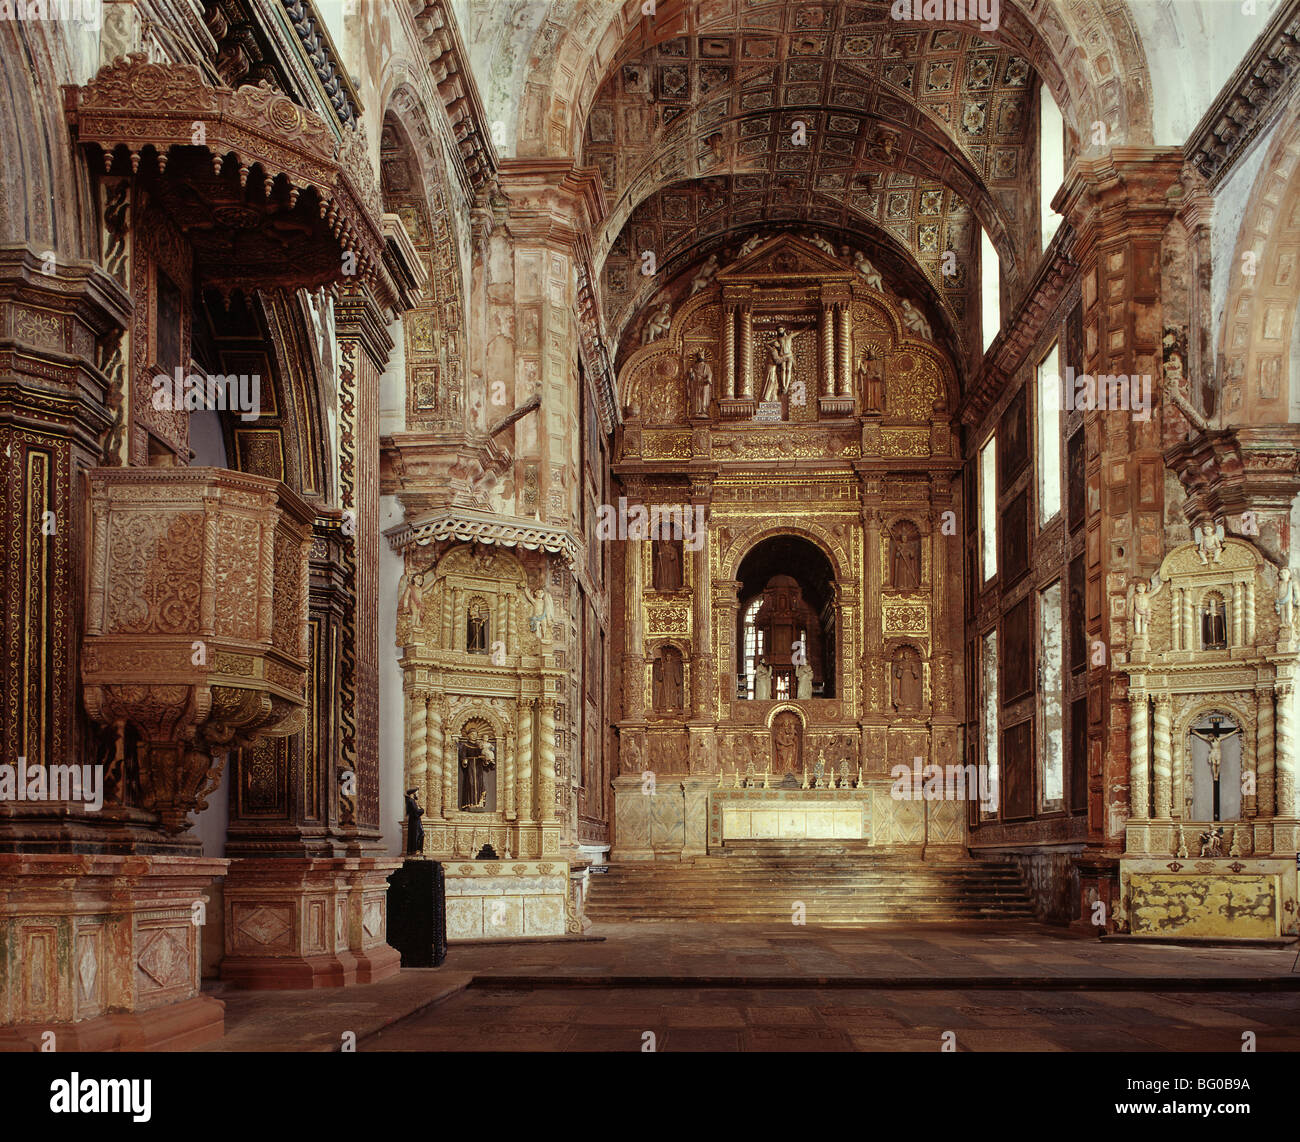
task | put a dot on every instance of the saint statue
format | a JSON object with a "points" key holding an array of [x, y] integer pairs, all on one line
{"points": [[539, 622], [1141, 608], [803, 677], [414, 826], [476, 761], [1214, 625], [871, 381], [476, 639], [1288, 593], [668, 680], [780, 364], [667, 564], [700, 379], [907, 682], [785, 743], [410, 598], [762, 681], [905, 568]]}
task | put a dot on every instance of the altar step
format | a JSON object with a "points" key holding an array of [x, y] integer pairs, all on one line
{"points": [[762, 881]]}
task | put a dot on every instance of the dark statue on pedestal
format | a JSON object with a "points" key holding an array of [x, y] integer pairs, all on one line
{"points": [[414, 826]]}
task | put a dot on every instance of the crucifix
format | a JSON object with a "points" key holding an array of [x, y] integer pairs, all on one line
{"points": [[1214, 736]]}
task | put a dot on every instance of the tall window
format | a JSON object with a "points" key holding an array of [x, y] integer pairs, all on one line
{"points": [[1051, 694], [753, 647], [1049, 435], [989, 720], [1051, 160], [990, 289], [989, 508]]}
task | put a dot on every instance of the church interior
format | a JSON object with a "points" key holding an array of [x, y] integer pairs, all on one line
{"points": [[730, 483]]}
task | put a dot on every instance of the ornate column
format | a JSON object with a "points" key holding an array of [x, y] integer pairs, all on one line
{"points": [[1249, 639], [1139, 748], [634, 647], [450, 765], [1264, 775], [524, 767], [546, 763], [703, 672], [844, 331], [417, 739], [1237, 635], [828, 348], [1162, 755], [746, 388], [1284, 757], [728, 349], [435, 758], [1191, 637]]}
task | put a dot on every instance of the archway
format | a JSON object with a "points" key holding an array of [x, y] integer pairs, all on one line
{"points": [[786, 618]]}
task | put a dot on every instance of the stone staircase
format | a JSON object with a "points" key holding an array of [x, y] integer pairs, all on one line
{"points": [[839, 883]]}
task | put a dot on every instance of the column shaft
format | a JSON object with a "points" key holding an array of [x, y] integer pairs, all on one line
{"points": [[1139, 747], [1162, 753]]}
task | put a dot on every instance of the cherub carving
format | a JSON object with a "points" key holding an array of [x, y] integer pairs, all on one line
{"points": [[914, 321], [1209, 544], [868, 271], [704, 276], [658, 324], [1288, 594]]}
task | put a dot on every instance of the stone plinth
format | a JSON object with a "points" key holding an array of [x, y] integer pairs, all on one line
{"points": [[804, 814], [317, 922], [506, 900], [105, 952]]}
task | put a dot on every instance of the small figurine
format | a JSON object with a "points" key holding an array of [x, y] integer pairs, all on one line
{"points": [[1212, 842], [414, 826], [1288, 594], [1209, 543], [1143, 593]]}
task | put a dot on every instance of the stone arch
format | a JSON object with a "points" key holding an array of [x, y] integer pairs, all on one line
{"points": [[1256, 374], [415, 187], [821, 537]]}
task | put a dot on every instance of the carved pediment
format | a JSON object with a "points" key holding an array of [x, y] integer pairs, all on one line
{"points": [[1184, 563], [786, 256]]}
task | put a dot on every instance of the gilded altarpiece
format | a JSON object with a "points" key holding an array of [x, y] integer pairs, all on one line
{"points": [[851, 453], [1213, 822]]}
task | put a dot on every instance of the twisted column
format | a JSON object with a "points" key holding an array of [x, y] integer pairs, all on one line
{"points": [[1162, 753], [1237, 635], [450, 762], [634, 645], [1264, 784], [1250, 613], [417, 735], [1190, 636], [746, 352], [1139, 794], [546, 763], [435, 759], [728, 350], [524, 755], [844, 329], [828, 349], [1285, 759]]}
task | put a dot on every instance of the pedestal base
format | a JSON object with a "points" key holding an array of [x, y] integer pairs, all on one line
{"points": [[104, 951], [306, 923]]}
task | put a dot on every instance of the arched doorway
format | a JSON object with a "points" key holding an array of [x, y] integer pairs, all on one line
{"points": [[785, 619]]}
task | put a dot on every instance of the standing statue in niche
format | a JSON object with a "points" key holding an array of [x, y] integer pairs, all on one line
{"points": [[667, 562], [762, 681], [785, 743], [701, 384], [477, 760], [1288, 594], [907, 681], [414, 826], [539, 622], [803, 677], [871, 381], [905, 566], [1143, 593], [410, 598], [780, 364], [667, 679], [1214, 625]]}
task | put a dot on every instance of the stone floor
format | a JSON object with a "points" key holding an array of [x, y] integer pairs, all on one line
{"points": [[731, 987]]}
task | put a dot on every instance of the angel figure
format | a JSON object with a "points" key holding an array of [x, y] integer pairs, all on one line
{"points": [[1209, 544], [1140, 608], [751, 244], [410, 598], [658, 324], [539, 622], [822, 244], [704, 276], [868, 271], [914, 321], [1288, 594]]}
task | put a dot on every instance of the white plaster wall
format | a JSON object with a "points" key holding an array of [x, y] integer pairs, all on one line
{"points": [[1192, 49], [392, 385], [392, 760], [210, 825]]}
